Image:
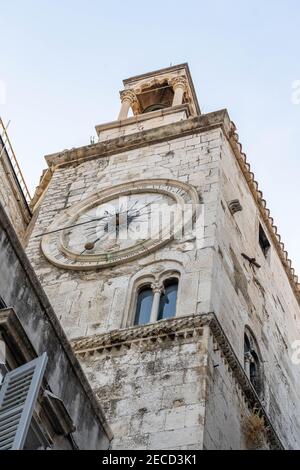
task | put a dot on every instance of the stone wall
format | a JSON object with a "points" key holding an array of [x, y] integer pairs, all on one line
{"points": [[153, 394], [227, 408], [178, 383], [260, 298]]}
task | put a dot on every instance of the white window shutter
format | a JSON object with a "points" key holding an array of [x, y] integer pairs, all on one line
{"points": [[18, 395]]}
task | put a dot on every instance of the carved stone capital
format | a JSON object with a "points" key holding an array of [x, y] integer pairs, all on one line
{"points": [[178, 82], [157, 288], [128, 95], [248, 357]]}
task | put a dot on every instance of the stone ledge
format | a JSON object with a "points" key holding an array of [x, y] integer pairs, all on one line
{"points": [[176, 328], [142, 118], [172, 131]]}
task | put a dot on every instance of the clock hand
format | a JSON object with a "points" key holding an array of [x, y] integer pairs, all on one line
{"points": [[87, 222], [91, 245], [69, 226], [148, 204]]}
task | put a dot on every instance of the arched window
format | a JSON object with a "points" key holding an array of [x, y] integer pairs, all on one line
{"points": [[247, 346], [168, 299], [156, 301], [144, 305], [252, 361]]}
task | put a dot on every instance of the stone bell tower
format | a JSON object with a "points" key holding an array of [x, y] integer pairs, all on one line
{"points": [[155, 99], [187, 340]]}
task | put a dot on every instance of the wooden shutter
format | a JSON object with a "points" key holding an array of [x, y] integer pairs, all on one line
{"points": [[18, 395]]}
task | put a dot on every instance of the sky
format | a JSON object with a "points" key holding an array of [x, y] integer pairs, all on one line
{"points": [[62, 65]]}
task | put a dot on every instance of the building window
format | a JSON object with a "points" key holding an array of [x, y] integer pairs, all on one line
{"points": [[144, 305], [2, 303], [156, 301], [168, 299], [252, 361], [263, 241]]}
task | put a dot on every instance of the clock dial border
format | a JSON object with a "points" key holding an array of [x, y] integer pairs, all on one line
{"points": [[57, 253]]}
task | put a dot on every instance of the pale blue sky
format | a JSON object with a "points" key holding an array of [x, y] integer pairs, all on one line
{"points": [[63, 63]]}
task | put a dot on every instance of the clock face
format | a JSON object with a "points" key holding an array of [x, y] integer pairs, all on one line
{"points": [[120, 224]]}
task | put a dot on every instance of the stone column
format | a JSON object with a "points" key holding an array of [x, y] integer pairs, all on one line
{"points": [[128, 97], [179, 85], [157, 290], [247, 359]]}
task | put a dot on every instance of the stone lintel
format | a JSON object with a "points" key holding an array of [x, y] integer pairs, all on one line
{"points": [[139, 118]]}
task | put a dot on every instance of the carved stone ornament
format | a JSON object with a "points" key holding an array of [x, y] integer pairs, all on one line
{"points": [[128, 95], [157, 288], [177, 82]]}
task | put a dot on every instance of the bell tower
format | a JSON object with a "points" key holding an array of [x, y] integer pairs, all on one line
{"points": [[161, 97], [182, 337], [157, 90]]}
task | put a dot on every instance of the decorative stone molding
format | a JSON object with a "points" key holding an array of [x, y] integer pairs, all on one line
{"points": [[128, 99], [157, 288], [176, 329], [155, 81], [178, 82], [179, 85], [128, 95]]}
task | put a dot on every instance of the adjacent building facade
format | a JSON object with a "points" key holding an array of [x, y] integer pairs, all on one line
{"points": [[14, 194]]}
